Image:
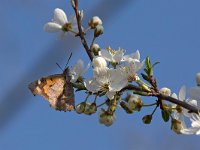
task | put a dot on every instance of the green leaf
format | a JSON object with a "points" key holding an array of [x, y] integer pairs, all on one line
{"points": [[148, 63], [145, 77], [145, 70], [165, 115], [156, 63], [148, 68]]}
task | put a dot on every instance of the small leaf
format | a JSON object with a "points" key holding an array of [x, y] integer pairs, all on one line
{"points": [[165, 115], [156, 63], [145, 77], [145, 70], [148, 63]]}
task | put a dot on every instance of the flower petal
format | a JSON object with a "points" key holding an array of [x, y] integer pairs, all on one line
{"points": [[174, 95], [106, 55], [188, 131], [60, 16], [52, 27], [118, 80], [194, 93], [91, 85], [182, 93], [110, 95], [118, 56]]}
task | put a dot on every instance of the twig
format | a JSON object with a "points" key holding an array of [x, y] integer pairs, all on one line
{"points": [[190, 108], [81, 33]]}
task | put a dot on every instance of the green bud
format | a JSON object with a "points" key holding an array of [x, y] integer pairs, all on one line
{"points": [[147, 119], [125, 107], [176, 126], [90, 109], [106, 118], [179, 109], [80, 108]]}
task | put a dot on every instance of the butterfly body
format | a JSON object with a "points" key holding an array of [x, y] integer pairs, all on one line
{"points": [[56, 89]]}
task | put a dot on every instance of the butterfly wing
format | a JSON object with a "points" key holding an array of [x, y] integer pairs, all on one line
{"points": [[56, 89]]}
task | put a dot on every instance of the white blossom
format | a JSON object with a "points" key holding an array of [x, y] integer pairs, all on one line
{"points": [[99, 62], [182, 97], [132, 57], [180, 112], [132, 65], [106, 81], [61, 24], [194, 93], [165, 91], [113, 56], [78, 70], [195, 126]]}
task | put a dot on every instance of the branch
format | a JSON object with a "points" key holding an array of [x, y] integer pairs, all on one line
{"points": [[81, 33], [192, 109]]}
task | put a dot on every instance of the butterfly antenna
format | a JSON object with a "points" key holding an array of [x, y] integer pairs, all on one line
{"points": [[68, 60], [59, 66]]}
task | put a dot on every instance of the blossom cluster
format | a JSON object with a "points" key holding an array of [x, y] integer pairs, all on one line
{"points": [[178, 123], [112, 71], [115, 77]]}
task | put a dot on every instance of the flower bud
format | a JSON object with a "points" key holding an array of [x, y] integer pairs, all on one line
{"points": [[90, 109], [73, 3], [198, 79], [95, 49], [176, 126], [135, 103], [94, 21], [99, 62], [165, 91], [125, 107], [80, 108], [80, 12], [106, 118], [98, 30], [147, 119]]}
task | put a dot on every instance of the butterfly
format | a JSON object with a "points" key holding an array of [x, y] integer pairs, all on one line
{"points": [[57, 89]]}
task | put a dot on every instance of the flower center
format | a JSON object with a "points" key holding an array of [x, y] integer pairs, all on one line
{"points": [[179, 109], [105, 87], [67, 27]]}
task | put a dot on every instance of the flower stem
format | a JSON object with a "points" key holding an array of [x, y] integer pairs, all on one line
{"points": [[87, 97], [147, 105], [81, 33], [154, 110], [192, 109], [102, 104], [93, 40]]}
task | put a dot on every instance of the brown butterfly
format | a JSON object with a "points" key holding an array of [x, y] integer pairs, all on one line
{"points": [[57, 89]]}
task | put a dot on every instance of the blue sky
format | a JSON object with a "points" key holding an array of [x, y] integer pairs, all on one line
{"points": [[166, 30]]}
